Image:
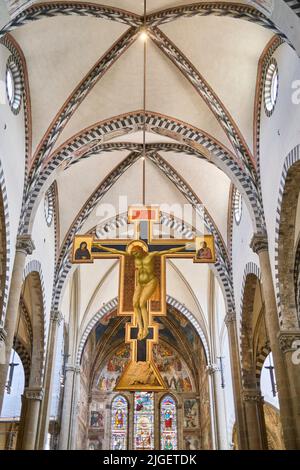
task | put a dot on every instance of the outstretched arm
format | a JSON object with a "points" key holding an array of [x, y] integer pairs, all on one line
{"points": [[168, 252], [111, 250]]}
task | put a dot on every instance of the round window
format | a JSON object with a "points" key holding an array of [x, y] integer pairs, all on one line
{"points": [[49, 206], [13, 85], [10, 85], [271, 87], [237, 206]]}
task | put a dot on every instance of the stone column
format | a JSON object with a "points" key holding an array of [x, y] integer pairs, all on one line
{"points": [[75, 409], [55, 320], [230, 321], [64, 436], [289, 343], [259, 245], [256, 430], [33, 398], [211, 370], [218, 408], [21, 423], [24, 247]]}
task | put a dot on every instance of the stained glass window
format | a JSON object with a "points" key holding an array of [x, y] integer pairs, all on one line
{"points": [[143, 421], [168, 424], [119, 420]]}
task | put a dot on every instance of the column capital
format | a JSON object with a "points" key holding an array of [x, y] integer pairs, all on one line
{"points": [[259, 243], [230, 318], [253, 396], [25, 244], [287, 340], [56, 316], [34, 393], [211, 369]]}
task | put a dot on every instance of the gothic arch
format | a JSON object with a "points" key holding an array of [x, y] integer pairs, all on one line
{"points": [[254, 344], [190, 138], [52, 9], [223, 265], [112, 305], [33, 278], [25, 358], [247, 327], [285, 243], [4, 247], [11, 44]]}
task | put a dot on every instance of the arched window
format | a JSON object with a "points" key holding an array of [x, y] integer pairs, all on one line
{"points": [[237, 206], [14, 389], [143, 421], [119, 426], [168, 424]]}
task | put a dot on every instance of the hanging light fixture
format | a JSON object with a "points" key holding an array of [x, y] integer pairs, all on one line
{"points": [[144, 37]]}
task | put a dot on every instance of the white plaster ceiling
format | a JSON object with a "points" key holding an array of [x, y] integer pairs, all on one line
{"points": [[59, 53]]}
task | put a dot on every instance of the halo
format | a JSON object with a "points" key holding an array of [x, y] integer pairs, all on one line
{"points": [[140, 243]]}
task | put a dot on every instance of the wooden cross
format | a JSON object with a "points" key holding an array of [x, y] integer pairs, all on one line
{"points": [[141, 372]]}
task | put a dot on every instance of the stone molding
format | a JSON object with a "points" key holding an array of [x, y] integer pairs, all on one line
{"points": [[252, 396], [287, 339], [259, 243], [34, 393], [230, 318], [212, 369], [25, 244], [56, 316]]}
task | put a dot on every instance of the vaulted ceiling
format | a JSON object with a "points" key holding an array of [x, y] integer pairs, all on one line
{"points": [[86, 71]]}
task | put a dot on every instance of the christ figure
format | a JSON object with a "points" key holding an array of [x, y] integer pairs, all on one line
{"points": [[146, 280]]}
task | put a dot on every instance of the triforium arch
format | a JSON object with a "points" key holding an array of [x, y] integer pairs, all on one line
{"points": [[286, 242]]}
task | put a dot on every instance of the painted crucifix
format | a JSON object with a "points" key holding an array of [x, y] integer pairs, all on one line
{"points": [[142, 286]]}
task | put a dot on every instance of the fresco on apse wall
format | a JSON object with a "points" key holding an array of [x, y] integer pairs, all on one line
{"points": [[172, 368], [113, 369], [181, 323], [191, 414], [97, 419], [191, 442], [104, 323]]}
